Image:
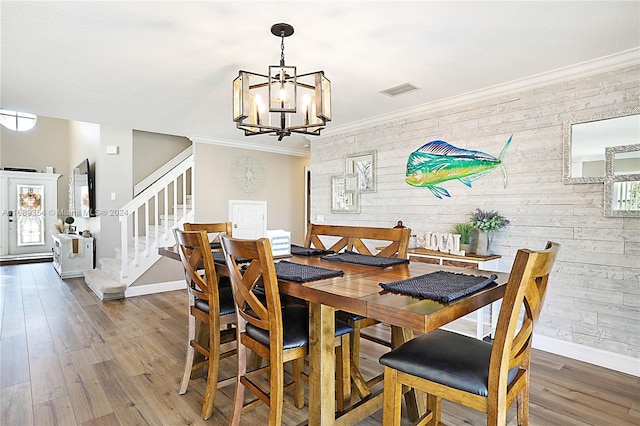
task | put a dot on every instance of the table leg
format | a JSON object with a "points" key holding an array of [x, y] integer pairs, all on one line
{"points": [[322, 380]]}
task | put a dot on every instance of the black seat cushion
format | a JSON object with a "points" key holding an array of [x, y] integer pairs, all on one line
{"points": [[447, 358], [295, 320], [227, 305], [223, 281], [346, 316]]}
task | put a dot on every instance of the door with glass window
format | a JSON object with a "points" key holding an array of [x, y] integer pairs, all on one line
{"points": [[29, 210]]}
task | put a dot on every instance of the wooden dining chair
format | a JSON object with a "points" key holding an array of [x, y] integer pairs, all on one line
{"points": [[277, 333], [210, 308], [484, 376], [389, 242], [214, 229]]}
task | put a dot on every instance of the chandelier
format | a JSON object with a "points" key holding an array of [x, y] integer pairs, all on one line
{"points": [[296, 103]]}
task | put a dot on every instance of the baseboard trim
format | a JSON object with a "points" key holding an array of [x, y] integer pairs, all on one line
{"points": [[140, 290], [600, 357]]}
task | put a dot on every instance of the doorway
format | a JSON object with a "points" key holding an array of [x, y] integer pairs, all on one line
{"points": [[248, 218], [29, 205]]}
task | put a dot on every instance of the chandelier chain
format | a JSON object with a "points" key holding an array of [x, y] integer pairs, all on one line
{"points": [[282, 48]]}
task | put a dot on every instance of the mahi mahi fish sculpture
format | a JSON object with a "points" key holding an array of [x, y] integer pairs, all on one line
{"points": [[438, 162]]}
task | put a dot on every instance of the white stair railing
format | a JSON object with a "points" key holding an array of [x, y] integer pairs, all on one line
{"points": [[146, 222]]}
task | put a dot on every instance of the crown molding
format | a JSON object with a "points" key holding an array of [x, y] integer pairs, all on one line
{"points": [[254, 146], [618, 60]]}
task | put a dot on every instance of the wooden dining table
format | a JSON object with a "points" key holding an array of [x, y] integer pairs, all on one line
{"points": [[358, 291]]}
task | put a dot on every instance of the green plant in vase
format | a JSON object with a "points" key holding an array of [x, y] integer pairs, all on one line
{"points": [[465, 230], [486, 221]]}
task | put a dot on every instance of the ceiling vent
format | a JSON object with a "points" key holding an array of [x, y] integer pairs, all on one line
{"points": [[399, 89]]}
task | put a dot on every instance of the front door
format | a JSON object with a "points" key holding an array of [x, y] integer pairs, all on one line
{"points": [[29, 210], [249, 218]]}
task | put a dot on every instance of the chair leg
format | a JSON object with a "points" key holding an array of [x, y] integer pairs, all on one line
{"points": [[354, 346], [414, 398], [522, 402], [238, 398], [276, 389], [298, 387], [355, 341], [497, 416], [434, 406], [212, 377], [391, 411], [343, 373], [188, 362]]}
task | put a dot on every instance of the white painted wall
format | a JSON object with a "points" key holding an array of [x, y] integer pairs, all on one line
{"points": [[594, 291]]}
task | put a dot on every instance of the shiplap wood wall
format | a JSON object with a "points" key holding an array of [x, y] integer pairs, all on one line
{"points": [[594, 291]]}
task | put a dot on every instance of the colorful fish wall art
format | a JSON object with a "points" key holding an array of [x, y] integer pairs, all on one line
{"points": [[438, 161]]}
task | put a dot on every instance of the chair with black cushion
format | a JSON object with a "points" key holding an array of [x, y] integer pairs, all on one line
{"points": [[210, 308], [388, 242], [481, 375], [277, 333], [214, 230]]}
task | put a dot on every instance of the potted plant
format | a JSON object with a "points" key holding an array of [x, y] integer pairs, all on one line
{"points": [[486, 221], [465, 230]]}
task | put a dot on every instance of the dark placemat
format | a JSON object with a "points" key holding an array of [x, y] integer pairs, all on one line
{"points": [[441, 286], [302, 273], [364, 259], [218, 257], [308, 251]]}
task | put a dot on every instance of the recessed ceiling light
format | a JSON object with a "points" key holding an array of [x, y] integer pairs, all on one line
{"points": [[399, 89]]}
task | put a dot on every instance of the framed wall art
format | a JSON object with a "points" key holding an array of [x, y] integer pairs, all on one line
{"points": [[343, 198], [364, 165]]}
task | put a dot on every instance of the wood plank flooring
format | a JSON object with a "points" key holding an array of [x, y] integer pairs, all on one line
{"points": [[66, 358]]}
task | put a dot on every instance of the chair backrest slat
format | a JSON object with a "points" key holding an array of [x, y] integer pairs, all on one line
{"points": [[355, 237], [524, 297], [261, 310], [195, 254], [215, 229]]}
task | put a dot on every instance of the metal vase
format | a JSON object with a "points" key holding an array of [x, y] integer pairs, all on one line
{"points": [[482, 244]]}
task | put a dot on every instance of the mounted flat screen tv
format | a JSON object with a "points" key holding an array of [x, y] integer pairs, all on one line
{"points": [[84, 197]]}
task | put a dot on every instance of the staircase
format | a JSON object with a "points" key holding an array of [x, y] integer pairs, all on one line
{"points": [[146, 223]]}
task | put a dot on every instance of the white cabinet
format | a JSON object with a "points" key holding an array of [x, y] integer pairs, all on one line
{"points": [[72, 254]]}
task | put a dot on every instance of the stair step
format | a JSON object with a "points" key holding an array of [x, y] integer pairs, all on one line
{"points": [[111, 267], [103, 285]]}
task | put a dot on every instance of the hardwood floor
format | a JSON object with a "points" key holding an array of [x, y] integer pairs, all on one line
{"points": [[66, 358]]}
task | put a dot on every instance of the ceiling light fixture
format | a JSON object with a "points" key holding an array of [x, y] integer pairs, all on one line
{"points": [[279, 90]]}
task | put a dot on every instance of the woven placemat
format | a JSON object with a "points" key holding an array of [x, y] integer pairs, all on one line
{"points": [[441, 286], [292, 271], [218, 257], [308, 251], [364, 259]]}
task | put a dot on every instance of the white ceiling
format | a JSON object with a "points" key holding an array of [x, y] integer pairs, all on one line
{"points": [[167, 67]]}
